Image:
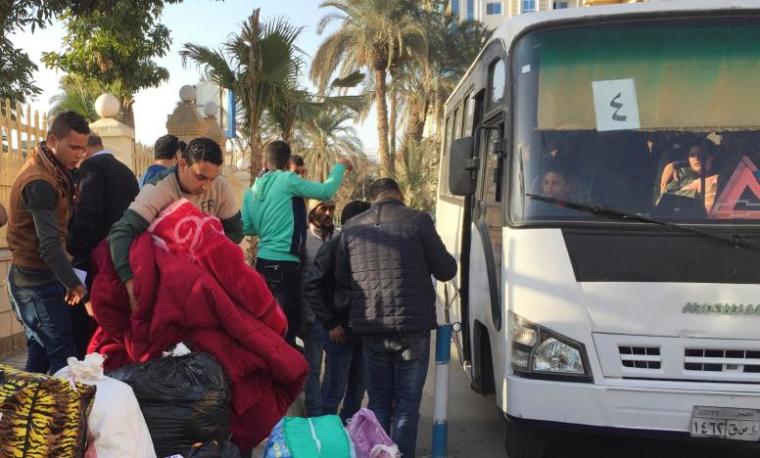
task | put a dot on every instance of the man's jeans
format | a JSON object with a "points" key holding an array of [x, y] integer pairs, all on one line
{"points": [[284, 280], [314, 345], [47, 322], [345, 373], [397, 366]]}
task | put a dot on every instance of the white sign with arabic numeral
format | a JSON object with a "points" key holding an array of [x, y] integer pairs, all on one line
{"points": [[615, 105]]}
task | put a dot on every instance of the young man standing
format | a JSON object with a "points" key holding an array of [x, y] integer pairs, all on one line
{"points": [[344, 362], [275, 212], [165, 152], [106, 189], [384, 262], [195, 178], [41, 279], [321, 230]]}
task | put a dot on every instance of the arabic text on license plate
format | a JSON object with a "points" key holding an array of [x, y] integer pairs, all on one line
{"points": [[726, 423]]}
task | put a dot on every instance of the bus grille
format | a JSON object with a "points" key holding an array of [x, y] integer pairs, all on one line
{"points": [[640, 357], [721, 360]]}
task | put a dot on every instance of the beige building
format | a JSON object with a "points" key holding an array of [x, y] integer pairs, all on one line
{"points": [[493, 12]]}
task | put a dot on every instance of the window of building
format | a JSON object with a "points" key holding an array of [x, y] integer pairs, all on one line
{"points": [[493, 8], [560, 5], [528, 6], [470, 9]]}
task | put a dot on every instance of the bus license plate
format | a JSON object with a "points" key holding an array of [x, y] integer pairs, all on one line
{"points": [[725, 423]]}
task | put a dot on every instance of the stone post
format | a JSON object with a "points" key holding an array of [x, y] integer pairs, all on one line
{"points": [[185, 123], [117, 136]]}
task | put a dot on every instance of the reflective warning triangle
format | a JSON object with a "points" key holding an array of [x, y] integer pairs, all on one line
{"points": [[744, 178]]}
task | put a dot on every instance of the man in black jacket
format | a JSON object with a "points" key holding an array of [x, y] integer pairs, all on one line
{"points": [[344, 365], [106, 188], [384, 262]]}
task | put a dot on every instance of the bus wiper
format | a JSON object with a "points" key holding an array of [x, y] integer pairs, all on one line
{"points": [[618, 215]]}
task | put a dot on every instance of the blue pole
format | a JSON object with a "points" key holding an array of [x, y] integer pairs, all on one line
{"points": [[231, 115], [441, 393]]}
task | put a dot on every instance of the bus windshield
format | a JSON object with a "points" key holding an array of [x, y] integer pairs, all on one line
{"points": [[654, 118]]}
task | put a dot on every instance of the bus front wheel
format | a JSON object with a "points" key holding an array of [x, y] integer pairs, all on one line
{"points": [[523, 441]]}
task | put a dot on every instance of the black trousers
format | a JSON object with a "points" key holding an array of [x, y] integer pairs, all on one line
{"points": [[284, 280]]}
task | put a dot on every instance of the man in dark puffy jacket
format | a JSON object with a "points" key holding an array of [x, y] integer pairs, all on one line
{"points": [[384, 262]]}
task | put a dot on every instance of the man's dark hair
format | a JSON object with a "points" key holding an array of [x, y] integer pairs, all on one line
{"points": [[296, 160], [278, 154], [383, 185], [94, 140], [555, 167], [181, 146], [166, 147], [203, 149], [352, 209], [67, 121]]}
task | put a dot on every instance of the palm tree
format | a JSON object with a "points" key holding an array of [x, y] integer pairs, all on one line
{"points": [[79, 96], [327, 138], [260, 65], [417, 174], [373, 34], [75, 98]]}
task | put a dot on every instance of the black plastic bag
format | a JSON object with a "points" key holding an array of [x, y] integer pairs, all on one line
{"points": [[184, 399], [214, 449]]}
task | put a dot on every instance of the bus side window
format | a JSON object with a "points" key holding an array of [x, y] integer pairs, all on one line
{"points": [[446, 157]]}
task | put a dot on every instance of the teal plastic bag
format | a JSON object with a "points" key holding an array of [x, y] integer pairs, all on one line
{"points": [[317, 437]]}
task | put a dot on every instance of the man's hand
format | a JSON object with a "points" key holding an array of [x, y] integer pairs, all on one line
{"points": [[88, 308], [73, 296], [338, 335], [347, 162], [131, 293]]}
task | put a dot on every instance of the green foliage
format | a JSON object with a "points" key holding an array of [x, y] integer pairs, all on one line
{"points": [[16, 71], [115, 46], [326, 138], [78, 96], [417, 174]]}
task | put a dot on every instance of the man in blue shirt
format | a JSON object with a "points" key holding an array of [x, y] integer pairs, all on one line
{"points": [[165, 153]]}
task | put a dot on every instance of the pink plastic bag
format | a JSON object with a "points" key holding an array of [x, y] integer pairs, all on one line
{"points": [[369, 437]]}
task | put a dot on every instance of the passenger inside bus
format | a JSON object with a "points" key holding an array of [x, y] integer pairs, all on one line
{"points": [[684, 177], [555, 184]]}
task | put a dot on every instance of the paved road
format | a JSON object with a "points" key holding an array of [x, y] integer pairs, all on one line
{"points": [[477, 430]]}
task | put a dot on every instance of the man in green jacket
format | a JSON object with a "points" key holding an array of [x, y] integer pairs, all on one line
{"points": [[274, 210]]}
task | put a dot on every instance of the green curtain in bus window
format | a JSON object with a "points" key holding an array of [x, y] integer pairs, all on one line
{"points": [[686, 76]]}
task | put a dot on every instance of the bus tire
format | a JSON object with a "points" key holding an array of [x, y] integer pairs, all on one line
{"points": [[522, 441]]}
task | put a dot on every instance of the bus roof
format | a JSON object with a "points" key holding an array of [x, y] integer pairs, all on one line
{"points": [[512, 28]]}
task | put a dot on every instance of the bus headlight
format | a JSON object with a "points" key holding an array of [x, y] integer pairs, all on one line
{"points": [[542, 353], [555, 356]]}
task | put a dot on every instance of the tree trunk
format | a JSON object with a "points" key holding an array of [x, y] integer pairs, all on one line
{"points": [[256, 162], [393, 123], [254, 169], [386, 160], [416, 127], [128, 112]]}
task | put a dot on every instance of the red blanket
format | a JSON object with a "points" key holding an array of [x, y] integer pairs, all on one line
{"points": [[192, 285]]}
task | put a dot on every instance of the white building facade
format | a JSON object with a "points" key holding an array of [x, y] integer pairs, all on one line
{"points": [[493, 12]]}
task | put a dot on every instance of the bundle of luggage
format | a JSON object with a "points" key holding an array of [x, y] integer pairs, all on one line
{"points": [[176, 406], [295, 437]]}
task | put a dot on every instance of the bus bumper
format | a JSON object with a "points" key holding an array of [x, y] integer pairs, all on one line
{"points": [[646, 405]]}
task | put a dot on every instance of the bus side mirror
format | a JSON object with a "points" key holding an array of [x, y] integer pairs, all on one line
{"points": [[461, 166]]}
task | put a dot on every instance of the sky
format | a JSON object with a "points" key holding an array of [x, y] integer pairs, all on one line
{"points": [[203, 22]]}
